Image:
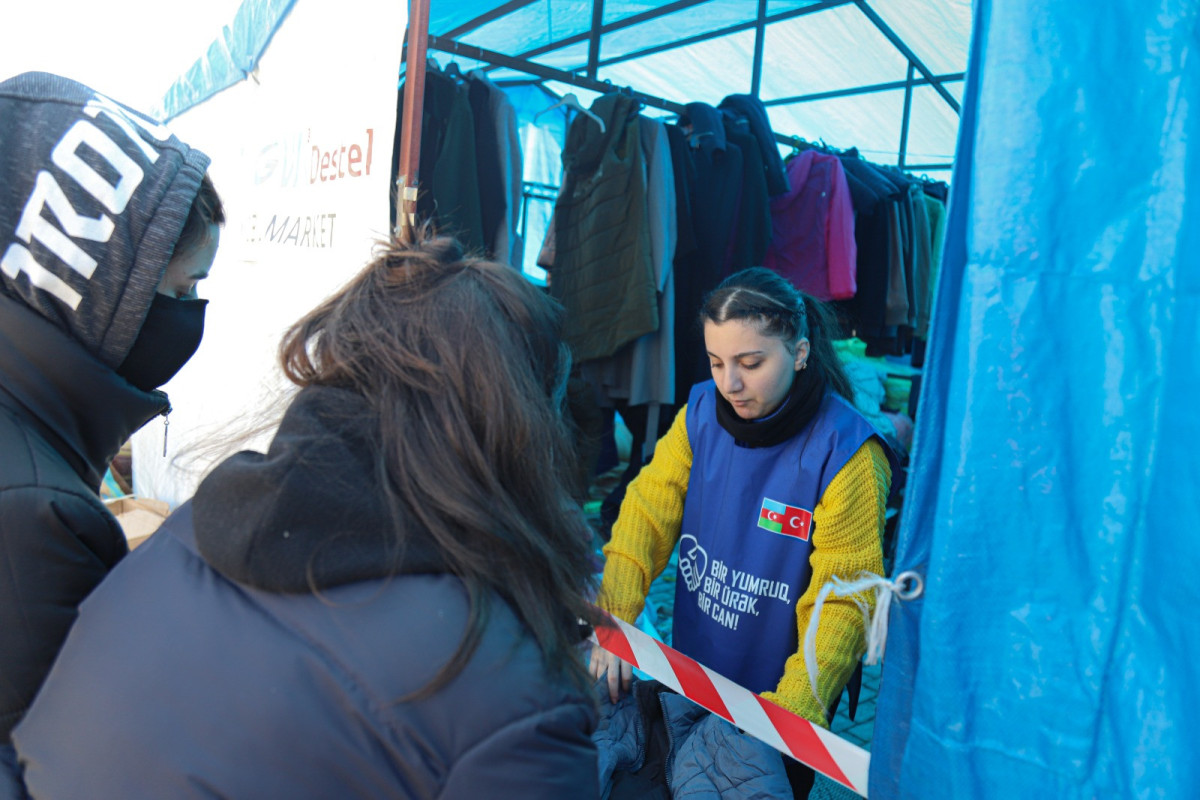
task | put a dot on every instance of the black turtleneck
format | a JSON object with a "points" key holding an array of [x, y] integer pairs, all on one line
{"points": [[801, 403]]}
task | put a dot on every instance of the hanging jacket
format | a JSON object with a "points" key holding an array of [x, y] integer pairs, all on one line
{"points": [[493, 202], [448, 174], [922, 257], [95, 196], [753, 236], [603, 266], [716, 203], [936, 211], [873, 201], [749, 108], [643, 371], [509, 245], [691, 364], [812, 239], [900, 300], [268, 639]]}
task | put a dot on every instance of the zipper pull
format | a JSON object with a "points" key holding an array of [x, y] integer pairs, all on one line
{"points": [[166, 426]]}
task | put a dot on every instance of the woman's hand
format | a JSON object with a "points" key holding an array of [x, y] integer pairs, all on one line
{"points": [[620, 674]]}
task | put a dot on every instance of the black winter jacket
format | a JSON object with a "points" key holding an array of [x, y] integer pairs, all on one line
{"points": [[64, 329], [224, 674]]}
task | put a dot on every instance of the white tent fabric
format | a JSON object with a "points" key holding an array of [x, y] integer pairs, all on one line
{"points": [[703, 50]]}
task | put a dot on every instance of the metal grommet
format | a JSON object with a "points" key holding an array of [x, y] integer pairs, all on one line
{"points": [[914, 582]]}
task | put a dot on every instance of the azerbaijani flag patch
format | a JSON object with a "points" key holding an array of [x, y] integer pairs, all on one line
{"points": [[784, 519]]}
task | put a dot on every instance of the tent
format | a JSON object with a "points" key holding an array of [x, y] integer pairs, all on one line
{"points": [[882, 76], [864, 74], [1052, 493], [885, 75]]}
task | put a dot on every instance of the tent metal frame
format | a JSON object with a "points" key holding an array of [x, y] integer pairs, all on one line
{"points": [[419, 39]]}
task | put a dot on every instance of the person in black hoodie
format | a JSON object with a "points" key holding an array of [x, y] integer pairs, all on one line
{"points": [[387, 603], [107, 221]]}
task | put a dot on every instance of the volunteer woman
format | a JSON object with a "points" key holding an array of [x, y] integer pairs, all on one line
{"points": [[772, 484]]}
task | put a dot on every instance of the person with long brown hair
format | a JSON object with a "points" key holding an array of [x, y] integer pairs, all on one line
{"points": [[772, 484], [387, 603]]}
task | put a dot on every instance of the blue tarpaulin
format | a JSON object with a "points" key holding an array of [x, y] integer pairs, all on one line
{"points": [[1054, 500]]}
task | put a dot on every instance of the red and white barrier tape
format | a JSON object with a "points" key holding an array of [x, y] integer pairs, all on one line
{"points": [[789, 733]]}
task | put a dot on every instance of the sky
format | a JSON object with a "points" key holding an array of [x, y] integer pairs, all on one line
{"points": [[130, 50]]}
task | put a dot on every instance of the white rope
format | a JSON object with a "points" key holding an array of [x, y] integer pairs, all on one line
{"points": [[906, 586]]}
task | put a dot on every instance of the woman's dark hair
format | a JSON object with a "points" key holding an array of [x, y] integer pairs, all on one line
{"points": [[462, 361], [206, 210], [768, 301]]}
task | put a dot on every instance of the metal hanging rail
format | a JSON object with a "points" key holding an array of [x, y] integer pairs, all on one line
{"points": [[453, 47], [908, 92], [484, 19], [760, 34], [870, 89]]}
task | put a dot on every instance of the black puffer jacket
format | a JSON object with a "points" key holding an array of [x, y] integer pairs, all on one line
{"points": [[83, 245], [223, 674]]}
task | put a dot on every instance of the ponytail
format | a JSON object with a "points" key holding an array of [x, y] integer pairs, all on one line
{"points": [[823, 329]]}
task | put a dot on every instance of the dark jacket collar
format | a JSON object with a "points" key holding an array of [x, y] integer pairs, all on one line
{"points": [[310, 512], [81, 406], [586, 145], [708, 127]]}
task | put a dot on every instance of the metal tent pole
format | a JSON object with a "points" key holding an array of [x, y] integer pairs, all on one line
{"points": [[875, 87], [484, 19], [895, 39], [760, 30], [908, 91], [594, 37], [410, 131]]}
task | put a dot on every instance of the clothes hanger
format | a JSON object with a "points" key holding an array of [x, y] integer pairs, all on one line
{"points": [[571, 101]]}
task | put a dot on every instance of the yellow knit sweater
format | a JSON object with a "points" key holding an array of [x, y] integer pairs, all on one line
{"points": [[847, 536]]}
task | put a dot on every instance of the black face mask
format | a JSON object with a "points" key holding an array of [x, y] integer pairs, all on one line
{"points": [[168, 338]]}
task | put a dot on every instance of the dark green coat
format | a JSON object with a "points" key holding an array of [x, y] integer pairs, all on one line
{"points": [[603, 270]]}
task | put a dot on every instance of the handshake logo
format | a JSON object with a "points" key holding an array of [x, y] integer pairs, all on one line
{"points": [[693, 562]]}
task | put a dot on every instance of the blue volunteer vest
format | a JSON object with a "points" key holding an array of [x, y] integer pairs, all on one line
{"points": [[747, 535]]}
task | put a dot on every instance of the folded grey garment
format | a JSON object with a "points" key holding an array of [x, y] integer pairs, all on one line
{"points": [[619, 736], [716, 761]]}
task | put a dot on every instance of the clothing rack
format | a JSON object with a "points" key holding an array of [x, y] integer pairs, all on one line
{"points": [[452, 46], [799, 143]]}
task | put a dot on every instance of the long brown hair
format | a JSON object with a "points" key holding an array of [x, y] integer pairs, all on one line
{"points": [[463, 363]]}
